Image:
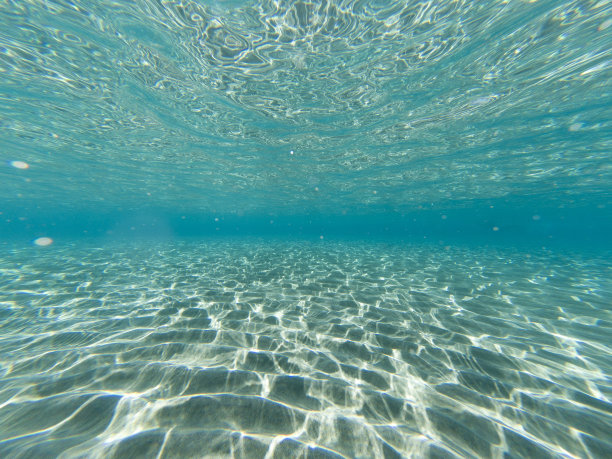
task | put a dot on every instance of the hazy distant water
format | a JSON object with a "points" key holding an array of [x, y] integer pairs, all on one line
{"points": [[248, 348]]}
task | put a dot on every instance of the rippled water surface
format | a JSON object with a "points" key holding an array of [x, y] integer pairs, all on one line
{"points": [[249, 349], [197, 105]]}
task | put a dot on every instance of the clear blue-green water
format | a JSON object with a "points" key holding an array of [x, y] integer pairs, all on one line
{"points": [[278, 229]]}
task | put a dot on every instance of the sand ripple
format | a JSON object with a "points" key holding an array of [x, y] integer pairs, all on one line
{"points": [[252, 349]]}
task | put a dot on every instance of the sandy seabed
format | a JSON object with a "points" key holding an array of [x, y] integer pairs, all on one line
{"points": [[294, 349]]}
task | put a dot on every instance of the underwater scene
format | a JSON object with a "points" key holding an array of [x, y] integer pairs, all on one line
{"points": [[305, 229]]}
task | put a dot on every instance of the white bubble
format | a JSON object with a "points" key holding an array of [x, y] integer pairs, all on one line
{"points": [[291, 152], [43, 241], [20, 164]]}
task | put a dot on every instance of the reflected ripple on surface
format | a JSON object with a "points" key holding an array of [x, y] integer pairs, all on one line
{"points": [[196, 105]]}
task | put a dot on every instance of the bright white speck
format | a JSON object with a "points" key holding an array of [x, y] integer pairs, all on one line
{"points": [[20, 164], [43, 241], [604, 25], [601, 66], [291, 152], [575, 127], [482, 100]]}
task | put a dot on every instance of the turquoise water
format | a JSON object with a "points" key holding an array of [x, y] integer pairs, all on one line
{"points": [[305, 229]]}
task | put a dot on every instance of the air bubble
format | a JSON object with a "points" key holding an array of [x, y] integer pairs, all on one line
{"points": [[20, 164], [43, 241]]}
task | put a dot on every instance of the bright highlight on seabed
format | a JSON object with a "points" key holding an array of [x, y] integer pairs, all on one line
{"points": [[291, 229]]}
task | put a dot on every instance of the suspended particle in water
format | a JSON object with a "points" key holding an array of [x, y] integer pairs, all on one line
{"points": [[19, 164], [43, 241], [495, 228], [291, 152], [536, 217]]}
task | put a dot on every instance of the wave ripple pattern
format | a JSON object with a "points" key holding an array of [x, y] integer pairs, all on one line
{"points": [[201, 102], [303, 350]]}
